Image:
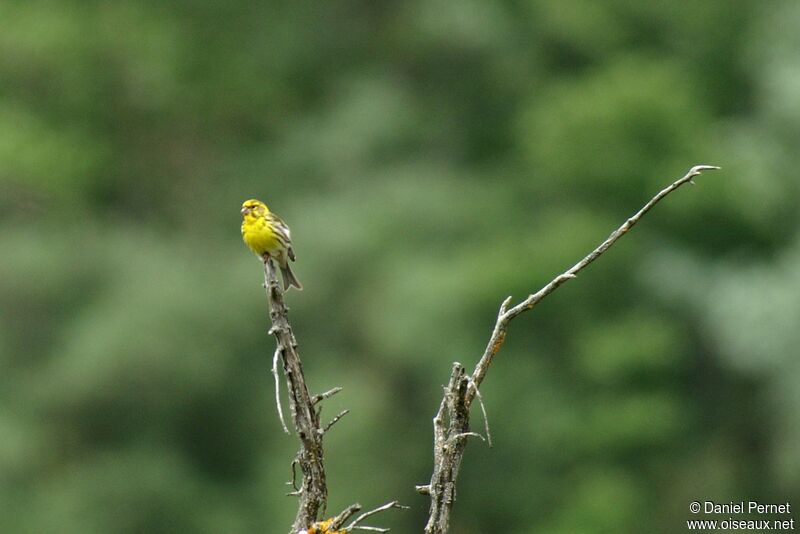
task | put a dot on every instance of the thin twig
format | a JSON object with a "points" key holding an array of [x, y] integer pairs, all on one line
{"points": [[467, 435], [452, 419], [335, 420], [275, 360], [499, 333], [354, 525], [483, 411], [328, 394], [293, 481], [339, 520]]}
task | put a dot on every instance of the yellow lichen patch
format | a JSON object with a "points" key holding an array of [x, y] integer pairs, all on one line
{"points": [[323, 527], [498, 343]]}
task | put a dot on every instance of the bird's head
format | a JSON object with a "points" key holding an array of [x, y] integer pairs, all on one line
{"points": [[253, 209]]}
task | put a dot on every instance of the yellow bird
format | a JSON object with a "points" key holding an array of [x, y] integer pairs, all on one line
{"points": [[268, 237]]}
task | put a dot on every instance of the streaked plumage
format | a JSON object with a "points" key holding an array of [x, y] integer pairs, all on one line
{"points": [[268, 236]]}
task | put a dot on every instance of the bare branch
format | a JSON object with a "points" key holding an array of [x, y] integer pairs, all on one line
{"points": [[483, 411], [328, 394], [339, 520], [335, 420], [293, 481], [275, 360], [313, 491], [499, 333], [467, 435], [452, 419], [355, 524]]}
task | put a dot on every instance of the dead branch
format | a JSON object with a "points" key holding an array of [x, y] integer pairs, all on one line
{"points": [[275, 360], [451, 423], [333, 525], [313, 491], [355, 524], [328, 394]]}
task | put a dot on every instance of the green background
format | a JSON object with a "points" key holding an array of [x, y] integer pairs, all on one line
{"points": [[431, 157]]}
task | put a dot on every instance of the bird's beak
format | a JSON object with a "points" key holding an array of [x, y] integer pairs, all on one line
{"points": [[245, 210]]}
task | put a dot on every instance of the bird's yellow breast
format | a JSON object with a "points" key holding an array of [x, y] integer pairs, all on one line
{"points": [[258, 235]]}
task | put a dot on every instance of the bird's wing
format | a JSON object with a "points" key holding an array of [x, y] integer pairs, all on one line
{"points": [[280, 226], [284, 234]]}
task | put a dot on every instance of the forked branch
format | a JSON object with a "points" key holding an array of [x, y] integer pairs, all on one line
{"points": [[451, 423]]}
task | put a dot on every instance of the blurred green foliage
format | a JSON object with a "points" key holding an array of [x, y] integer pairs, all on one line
{"points": [[431, 158]]}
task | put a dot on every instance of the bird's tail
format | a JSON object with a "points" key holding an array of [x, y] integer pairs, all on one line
{"points": [[289, 279]]}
